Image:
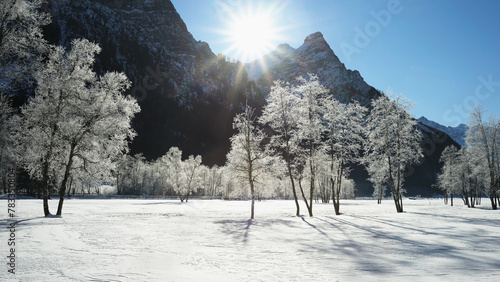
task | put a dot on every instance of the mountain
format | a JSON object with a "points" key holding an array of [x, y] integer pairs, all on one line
{"points": [[456, 133], [189, 96], [314, 56]]}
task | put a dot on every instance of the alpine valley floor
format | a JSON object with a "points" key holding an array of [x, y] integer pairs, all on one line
{"points": [[214, 240]]}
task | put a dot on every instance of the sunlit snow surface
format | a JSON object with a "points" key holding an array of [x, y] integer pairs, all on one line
{"points": [[212, 240]]}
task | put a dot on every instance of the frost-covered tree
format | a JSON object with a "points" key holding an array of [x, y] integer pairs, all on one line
{"points": [[465, 176], [378, 178], [129, 174], [21, 44], [483, 139], [211, 180], [323, 181], [173, 168], [343, 142], [463, 173], [247, 159], [8, 122], [75, 116], [479, 177], [448, 178], [191, 168], [348, 189], [184, 176], [310, 128], [228, 183], [281, 115], [21, 41], [394, 138], [270, 184]]}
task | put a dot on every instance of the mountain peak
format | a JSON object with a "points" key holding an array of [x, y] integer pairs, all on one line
{"points": [[317, 36], [314, 56], [284, 49]]}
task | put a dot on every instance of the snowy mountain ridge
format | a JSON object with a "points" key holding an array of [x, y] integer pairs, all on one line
{"points": [[456, 133]]}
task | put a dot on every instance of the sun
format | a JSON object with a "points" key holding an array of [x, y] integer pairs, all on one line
{"points": [[252, 36], [251, 31]]}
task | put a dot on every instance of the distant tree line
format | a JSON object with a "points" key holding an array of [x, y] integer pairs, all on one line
{"points": [[473, 171], [72, 135]]}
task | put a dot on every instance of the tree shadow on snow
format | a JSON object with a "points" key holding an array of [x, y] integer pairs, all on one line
{"points": [[464, 219], [427, 242], [161, 202], [39, 220], [240, 230], [341, 245]]}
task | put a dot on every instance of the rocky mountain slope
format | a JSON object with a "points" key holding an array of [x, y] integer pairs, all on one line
{"points": [[188, 95], [456, 133], [314, 56]]}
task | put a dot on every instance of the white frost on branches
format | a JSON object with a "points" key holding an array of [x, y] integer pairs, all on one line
{"points": [[21, 41], [483, 140], [247, 160], [77, 120], [393, 143]]}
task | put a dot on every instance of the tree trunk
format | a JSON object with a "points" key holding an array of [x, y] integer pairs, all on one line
{"points": [[465, 194], [497, 194], [493, 200], [292, 181], [398, 199], [62, 189], [336, 205], [45, 188], [118, 190], [313, 178], [252, 191], [493, 196], [70, 185], [396, 194], [304, 197]]}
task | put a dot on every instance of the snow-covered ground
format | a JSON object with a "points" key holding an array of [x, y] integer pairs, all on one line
{"points": [[213, 240]]}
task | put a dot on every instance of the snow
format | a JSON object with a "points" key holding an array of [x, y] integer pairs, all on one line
{"points": [[213, 240]]}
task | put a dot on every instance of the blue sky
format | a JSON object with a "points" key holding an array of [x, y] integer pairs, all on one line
{"points": [[443, 55]]}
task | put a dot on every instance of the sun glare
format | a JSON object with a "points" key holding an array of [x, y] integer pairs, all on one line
{"points": [[251, 31], [252, 36]]}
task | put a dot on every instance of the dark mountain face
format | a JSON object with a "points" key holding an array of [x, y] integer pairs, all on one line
{"points": [[188, 95]]}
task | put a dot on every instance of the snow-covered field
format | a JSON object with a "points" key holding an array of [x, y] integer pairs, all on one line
{"points": [[213, 240]]}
